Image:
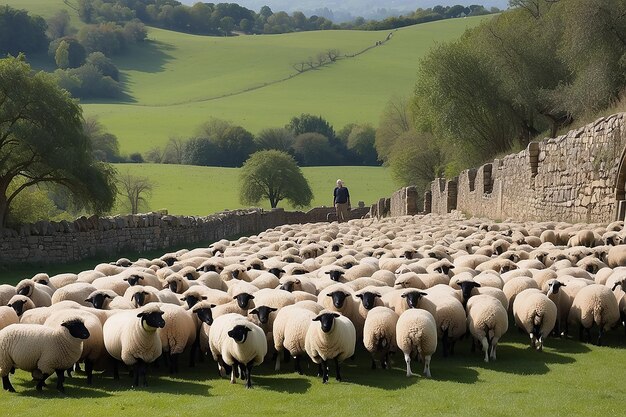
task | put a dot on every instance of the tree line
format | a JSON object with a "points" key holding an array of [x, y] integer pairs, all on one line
{"points": [[521, 76]]}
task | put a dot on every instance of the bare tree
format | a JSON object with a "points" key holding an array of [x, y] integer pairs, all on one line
{"points": [[136, 190], [332, 54], [174, 149], [320, 59], [299, 66], [310, 62]]}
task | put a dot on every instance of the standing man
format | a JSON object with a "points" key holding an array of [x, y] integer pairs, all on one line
{"points": [[341, 201]]}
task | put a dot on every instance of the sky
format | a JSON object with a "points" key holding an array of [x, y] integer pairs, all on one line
{"points": [[346, 8]]}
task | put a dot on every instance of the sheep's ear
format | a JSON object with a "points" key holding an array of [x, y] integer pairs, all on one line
{"points": [[423, 294], [360, 296], [403, 295], [377, 295], [476, 284], [204, 297], [297, 281], [90, 300], [183, 299], [251, 297], [212, 305], [329, 295], [255, 311], [141, 314], [327, 272], [335, 315], [317, 318], [272, 309]]}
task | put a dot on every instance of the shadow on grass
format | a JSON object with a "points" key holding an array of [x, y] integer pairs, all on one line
{"points": [[73, 389], [149, 56], [294, 385]]}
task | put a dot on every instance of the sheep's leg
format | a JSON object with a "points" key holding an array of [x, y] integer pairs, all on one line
{"points": [[540, 343], [89, 371], [494, 345], [485, 344], [588, 331], [452, 343], [6, 384], [580, 333], [320, 371], [136, 375], [297, 366], [337, 370], [144, 370], [42, 382], [77, 367], [600, 334], [276, 358], [324, 372], [69, 371], [116, 371], [533, 341], [445, 343], [407, 359], [373, 364], [249, 375], [60, 379], [233, 378], [427, 366]]}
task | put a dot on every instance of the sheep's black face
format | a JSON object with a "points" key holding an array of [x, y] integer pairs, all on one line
{"points": [[173, 286], [554, 286], [210, 268], [153, 319], [276, 271], [408, 254], [256, 266], [335, 248], [235, 274], [77, 329], [263, 313], [43, 282], [239, 333], [444, 269], [98, 300], [243, 300], [191, 300], [368, 299], [24, 290], [18, 306], [139, 297], [299, 271], [288, 286], [335, 275], [190, 276], [339, 297], [205, 314], [133, 280], [169, 261], [413, 298], [326, 321], [348, 265], [466, 289]]}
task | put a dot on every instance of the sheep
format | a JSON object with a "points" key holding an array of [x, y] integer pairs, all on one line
{"points": [[536, 314], [134, 342], [36, 292], [416, 336], [384, 276], [266, 280], [6, 293], [594, 304], [487, 322], [61, 280], [21, 304], [212, 280], [450, 319], [198, 293], [379, 334], [333, 339], [108, 300], [43, 349], [617, 256], [78, 292], [93, 351], [297, 283], [44, 279], [178, 333], [145, 279], [289, 332], [8, 316], [114, 282]]}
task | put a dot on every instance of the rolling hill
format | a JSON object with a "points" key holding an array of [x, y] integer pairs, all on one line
{"points": [[177, 81]]}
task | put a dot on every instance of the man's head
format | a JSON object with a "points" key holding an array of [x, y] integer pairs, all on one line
{"points": [[339, 183]]}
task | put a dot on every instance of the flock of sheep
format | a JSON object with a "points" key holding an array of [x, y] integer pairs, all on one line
{"points": [[320, 291]]}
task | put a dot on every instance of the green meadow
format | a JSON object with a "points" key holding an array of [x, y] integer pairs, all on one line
{"points": [[193, 190], [175, 81], [566, 379]]}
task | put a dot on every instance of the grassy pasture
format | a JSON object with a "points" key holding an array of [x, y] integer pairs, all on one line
{"points": [[567, 379], [193, 190]]}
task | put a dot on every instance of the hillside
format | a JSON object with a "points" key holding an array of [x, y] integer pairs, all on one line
{"points": [[177, 81]]}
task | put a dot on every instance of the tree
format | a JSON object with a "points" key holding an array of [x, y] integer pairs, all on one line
{"points": [[278, 138], [313, 149], [59, 25], [273, 175], [42, 141], [394, 122], [227, 24], [20, 32], [361, 142], [307, 123], [136, 191], [105, 145], [62, 55], [416, 159]]}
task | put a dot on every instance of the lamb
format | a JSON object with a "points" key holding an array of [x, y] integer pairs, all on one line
{"points": [[132, 337], [34, 291], [39, 348], [93, 351], [416, 336], [379, 334], [333, 339], [78, 292], [289, 331], [536, 314], [487, 321], [594, 304]]}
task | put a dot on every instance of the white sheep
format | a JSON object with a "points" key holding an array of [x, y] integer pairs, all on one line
{"points": [[334, 338], [290, 328], [42, 349], [77, 292], [487, 321], [36, 292], [515, 286], [132, 337], [8, 316], [6, 293], [536, 314], [594, 304], [109, 300], [379, 334], [178, 333], [416, 336], [21, 304]]}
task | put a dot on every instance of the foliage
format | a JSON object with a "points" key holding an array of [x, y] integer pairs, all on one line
{"points": [[361, 142], [314, 149], [394, 122], [199, 151], [42, 141], [21, 32], [232, 144], [135, 191], [30, 206], [110, 38], [278, 138], [59, 25], [273, 175], [76, 53], [308, 123], [105, 146], [416, 159], [88, 81]]}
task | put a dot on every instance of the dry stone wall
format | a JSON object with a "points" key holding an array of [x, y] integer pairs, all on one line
{"points": [[572, 178], [62, 242]]}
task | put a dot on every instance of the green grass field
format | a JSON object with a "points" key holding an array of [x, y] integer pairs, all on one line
{"points": [[192, 190], [567, 379], [177, 81]]}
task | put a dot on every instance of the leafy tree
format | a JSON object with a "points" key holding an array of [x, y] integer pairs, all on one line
{"points": [[394, 122], [232, 144], [59, 25], [104, 65], [62, 55], [361, 142], [313, 149], [174, 151], [20, 32], [135, 191], [278, 138], [307, 123], [273, 175], [227, 24], [75, 51], [200, 151], [416, 159], [92, 83], [105, 145], [42, 141]]}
